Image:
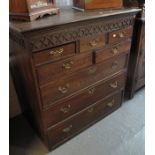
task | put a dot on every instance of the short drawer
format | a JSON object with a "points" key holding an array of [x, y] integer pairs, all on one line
{"points": [[54, 53], [59, 69], [115, 50], [84, 119], [61, 88], [87, 44], [71, 106], [120, 35]]}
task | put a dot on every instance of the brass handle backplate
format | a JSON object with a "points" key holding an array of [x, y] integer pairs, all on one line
{"points": [[67, 129], [57, 52], [64, 89], [65, 109], [114, 84], [111, 104], [68, 65]]}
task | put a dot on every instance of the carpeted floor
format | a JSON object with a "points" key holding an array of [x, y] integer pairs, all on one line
{"points": [[121, 133]]}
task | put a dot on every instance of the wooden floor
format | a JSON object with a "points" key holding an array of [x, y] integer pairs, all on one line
{"points": [[121, 133]]}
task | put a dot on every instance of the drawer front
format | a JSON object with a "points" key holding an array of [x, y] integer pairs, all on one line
{"points": [[61, 88], [51, 71], [61, 111], [120, 35], [87, 44], [54, 53], [115, 50], [72, 126]]}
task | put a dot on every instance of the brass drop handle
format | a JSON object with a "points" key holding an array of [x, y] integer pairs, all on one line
{"points": [[91, 91], [68, 129], [68, 65], [90, 110], [111, 104], [57, 52], [114, 84], [114, 65], [93, 43], [114, 50], [64, 89], [66, 109], [121, 35]]}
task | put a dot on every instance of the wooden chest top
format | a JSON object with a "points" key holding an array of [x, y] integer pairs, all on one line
{"points": [[68, 16]]}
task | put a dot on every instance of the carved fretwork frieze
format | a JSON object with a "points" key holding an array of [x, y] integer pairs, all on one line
{"points": [[51, 38]]}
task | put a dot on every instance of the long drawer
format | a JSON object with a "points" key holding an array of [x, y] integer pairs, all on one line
{"points": [[59, 69], [61, 88], [61, 132], [68, 107]]}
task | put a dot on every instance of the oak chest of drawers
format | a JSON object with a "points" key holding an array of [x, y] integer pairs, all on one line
{"points": [[70, 70]]}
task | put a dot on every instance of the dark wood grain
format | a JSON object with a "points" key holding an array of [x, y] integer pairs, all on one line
{"points": [[65, 130], [73, 105], [64, 87], [68, 16]]}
